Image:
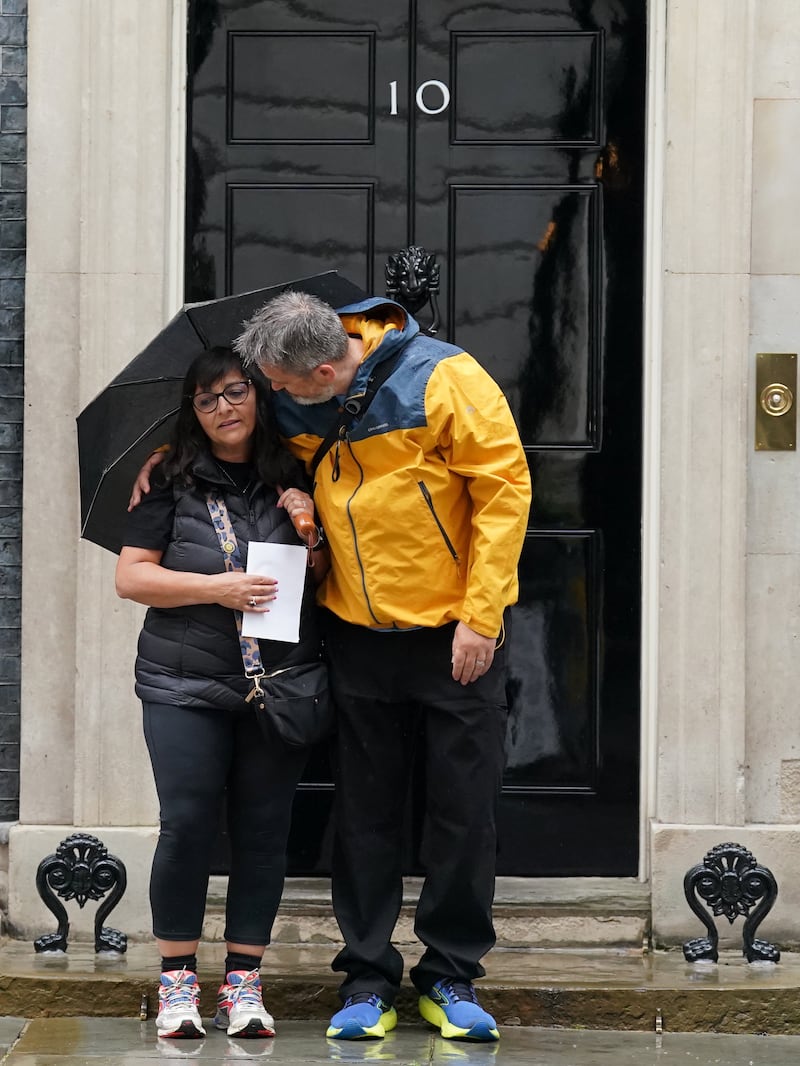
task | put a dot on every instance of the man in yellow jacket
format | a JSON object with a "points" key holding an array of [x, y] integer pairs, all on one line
{"points": [[423, 490]]}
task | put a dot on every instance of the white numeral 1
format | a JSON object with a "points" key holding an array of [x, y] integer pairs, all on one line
{"points": [[393, 97]]}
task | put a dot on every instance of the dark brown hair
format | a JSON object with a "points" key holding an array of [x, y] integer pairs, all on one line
{"points": [[274, 464]]}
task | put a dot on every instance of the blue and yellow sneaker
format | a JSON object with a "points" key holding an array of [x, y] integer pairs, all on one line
{"points": [[453, 1008], [362, 1017]]}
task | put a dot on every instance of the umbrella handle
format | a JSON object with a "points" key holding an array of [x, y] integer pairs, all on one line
{"points": [[310, 532], [305, 526]]}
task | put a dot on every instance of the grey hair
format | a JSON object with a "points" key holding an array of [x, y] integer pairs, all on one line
{"points": [[294, 332]]}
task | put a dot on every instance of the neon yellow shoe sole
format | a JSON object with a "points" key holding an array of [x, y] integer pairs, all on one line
{"points": [[352, 1023], [480, 1029]]}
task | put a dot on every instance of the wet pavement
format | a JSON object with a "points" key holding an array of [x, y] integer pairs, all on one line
{"points": [[96, 1041]]}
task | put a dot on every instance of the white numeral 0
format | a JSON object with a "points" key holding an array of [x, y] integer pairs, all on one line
{"points": [[440, 85]]}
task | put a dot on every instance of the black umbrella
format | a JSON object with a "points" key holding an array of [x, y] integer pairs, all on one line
{"points": [[134, 414]]}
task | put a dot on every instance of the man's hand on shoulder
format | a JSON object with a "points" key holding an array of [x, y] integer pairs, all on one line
{"points": [[472, 654], [141, 485]]}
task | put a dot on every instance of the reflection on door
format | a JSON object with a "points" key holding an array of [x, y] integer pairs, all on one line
{"points": [[508, 140]]}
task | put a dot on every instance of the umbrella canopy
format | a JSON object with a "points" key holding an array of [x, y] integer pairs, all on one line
{"points": [[135, 413]]}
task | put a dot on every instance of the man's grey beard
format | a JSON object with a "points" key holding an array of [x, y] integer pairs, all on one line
{"points": [[308, 401]]}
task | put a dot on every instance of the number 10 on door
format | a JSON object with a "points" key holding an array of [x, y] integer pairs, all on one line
{"points": [[434, 86]]}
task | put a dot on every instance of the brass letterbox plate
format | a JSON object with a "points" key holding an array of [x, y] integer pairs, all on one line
{"points": [[776, 401]]}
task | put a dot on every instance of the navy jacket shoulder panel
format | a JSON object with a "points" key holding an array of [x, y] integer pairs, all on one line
{"points": [[400, 401]]}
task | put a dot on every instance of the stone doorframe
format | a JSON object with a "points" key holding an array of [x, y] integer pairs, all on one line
{"points": [[105, 263]]}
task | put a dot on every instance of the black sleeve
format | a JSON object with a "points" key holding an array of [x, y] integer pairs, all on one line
{"points": [[149, 525], [300, 479]]}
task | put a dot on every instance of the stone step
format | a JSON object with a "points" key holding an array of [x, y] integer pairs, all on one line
{"points": [[587, 912], [588, 989]]}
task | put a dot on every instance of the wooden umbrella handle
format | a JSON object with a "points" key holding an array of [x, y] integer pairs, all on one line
{"points": [[305, 526]]}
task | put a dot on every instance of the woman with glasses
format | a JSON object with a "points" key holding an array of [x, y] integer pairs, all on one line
{"points": [[203, 738]]}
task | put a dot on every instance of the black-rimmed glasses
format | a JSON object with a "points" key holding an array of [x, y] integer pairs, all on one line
{"points": [[235, 393]]}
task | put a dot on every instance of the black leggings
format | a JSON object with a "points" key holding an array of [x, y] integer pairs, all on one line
{"points": [[199, 755]]}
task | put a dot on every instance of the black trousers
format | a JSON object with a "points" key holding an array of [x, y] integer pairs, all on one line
{"points": [[199, 756], [387, 686]]}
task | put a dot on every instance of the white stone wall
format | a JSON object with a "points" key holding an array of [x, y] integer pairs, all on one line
{"points": [[773, 533]]}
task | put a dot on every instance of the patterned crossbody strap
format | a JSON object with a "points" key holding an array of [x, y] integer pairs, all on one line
{"points": [[251, 656]]}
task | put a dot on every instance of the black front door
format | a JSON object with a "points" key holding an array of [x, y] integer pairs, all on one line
{"points": [[508, 140]]}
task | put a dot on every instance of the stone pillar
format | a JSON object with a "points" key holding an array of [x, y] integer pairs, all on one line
{"points": [[106, 85], [705, 431]]}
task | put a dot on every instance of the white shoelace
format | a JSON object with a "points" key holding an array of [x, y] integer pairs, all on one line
{"points": [[248, 991], [179, 992]]}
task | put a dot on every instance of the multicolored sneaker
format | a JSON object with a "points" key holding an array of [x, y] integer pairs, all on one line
{"points": [[240, 1008], [362, 1017], [453, 1008], [178, 1005]]}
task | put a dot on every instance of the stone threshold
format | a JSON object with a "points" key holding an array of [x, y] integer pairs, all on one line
{"points": [[588, 893], [538, 913]]}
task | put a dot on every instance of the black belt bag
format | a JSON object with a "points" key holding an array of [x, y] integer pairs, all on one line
{"points": [[291, 703]]}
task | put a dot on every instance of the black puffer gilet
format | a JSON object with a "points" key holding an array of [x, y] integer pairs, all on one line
{"points": [[190, 656]]}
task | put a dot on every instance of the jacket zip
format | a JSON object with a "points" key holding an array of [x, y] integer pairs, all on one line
{"points": [[429, 501], [346, 438]]}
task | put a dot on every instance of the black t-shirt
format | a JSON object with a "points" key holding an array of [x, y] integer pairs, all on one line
{"points": [[149, 525]]}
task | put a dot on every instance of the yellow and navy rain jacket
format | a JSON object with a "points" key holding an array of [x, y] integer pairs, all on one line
{"points": [[425, 501]]}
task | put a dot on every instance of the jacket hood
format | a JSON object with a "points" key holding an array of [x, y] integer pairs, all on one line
{"points": [[371, 303], [387, 326]]}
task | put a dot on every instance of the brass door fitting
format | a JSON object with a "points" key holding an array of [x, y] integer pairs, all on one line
{"points": [[776, 411]]}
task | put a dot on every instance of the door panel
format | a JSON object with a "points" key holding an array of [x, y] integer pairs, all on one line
{"points": [[296, 245], [551, 683], [278, 93], [516, 112], [508, 233], [508, 140]]}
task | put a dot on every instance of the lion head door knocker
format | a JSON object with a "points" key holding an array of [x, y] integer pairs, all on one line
{"points": [[729, 881], [81, 869], [412, 278]]}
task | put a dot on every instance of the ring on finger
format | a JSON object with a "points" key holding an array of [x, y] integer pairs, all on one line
{"points": [[253, 601], [480, 662]]}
